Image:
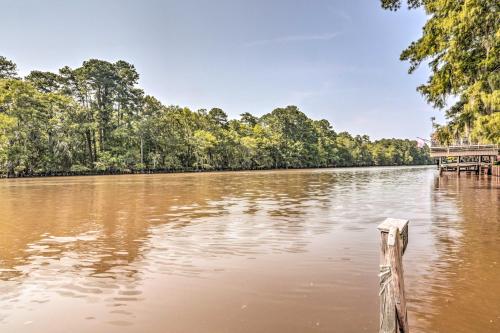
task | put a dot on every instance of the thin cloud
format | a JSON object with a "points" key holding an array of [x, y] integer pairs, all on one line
{"points": [[292, 39]]}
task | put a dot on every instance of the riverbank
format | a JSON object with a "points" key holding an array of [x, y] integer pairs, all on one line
{"points": [[163, 171]]}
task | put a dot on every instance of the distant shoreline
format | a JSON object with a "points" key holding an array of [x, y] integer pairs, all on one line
{"points": [[160, 171]]}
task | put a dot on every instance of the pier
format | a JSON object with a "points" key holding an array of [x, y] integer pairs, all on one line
{"points": [[478, 159]]}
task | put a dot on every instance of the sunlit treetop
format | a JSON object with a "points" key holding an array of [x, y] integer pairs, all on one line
{"points": [[461, 44], [8, 69], [396, 4]]}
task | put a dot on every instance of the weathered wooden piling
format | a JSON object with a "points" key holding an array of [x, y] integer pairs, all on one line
{"points": [[393, 243]]}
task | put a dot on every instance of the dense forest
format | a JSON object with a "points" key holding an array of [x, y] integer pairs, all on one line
{"points": [[95, 119], [460, 42]]}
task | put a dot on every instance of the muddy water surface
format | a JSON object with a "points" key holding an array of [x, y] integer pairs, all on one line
{"points": [[280, 251]]}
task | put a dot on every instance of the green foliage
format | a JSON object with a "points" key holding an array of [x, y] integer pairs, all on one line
{"points": [[44, 81], [94, 119], [487, 128], [396, 4], [461, 44], [77, 168], [8, 69]]}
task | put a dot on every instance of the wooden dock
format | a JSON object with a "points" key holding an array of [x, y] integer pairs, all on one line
{"points": [[478, 159]]}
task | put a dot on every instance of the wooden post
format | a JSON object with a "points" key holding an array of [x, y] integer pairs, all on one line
{"points": [[492, 163], [393, 243]]}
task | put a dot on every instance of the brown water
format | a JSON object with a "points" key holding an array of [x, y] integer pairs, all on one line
{"points": [[284, 251]]}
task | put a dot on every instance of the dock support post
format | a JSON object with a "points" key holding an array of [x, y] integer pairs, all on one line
{"points": [[393, 243]]}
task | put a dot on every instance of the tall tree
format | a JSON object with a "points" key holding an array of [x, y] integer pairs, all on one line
{"points": [[44, 81], [461, 44], [8, 69]]}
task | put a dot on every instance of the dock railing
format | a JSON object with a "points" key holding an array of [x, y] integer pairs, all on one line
{"points": [[437, 151], [393, 243], [463, 148]]}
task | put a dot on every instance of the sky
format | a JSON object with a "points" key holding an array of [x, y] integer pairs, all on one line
{"points": [[335, 60]]}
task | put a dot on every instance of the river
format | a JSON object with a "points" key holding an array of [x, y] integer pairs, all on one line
{"points": [[270, 251]]}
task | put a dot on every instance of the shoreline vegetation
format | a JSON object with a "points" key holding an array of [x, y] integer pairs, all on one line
{"points": [[166, 171], [94, 119]]}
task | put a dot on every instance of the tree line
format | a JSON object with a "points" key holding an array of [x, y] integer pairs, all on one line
{"points": [[95, 119]]}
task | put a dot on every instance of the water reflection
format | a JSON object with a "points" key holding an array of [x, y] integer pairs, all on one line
{"points": [[149, 252], [463, 293]]}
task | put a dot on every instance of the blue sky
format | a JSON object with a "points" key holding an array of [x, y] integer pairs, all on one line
{"points": [[337, 60]]}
